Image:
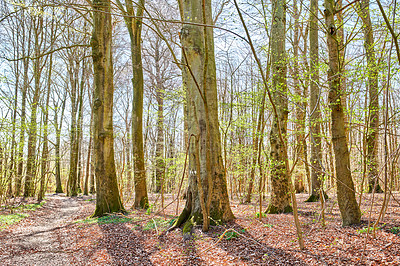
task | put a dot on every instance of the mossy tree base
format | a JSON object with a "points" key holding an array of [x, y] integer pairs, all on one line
{"points": [[315, 198], [271, 209]]}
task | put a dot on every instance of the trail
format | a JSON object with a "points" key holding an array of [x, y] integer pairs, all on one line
{"points": [[41, 239]]}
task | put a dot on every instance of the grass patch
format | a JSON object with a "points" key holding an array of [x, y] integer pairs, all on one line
{"points": [[158, 223], [10, 219], [31, 207], [109, 219]]}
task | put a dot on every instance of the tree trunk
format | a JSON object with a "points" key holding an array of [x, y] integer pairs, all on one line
{"points": [[349, 209], [160, 164], [315, 98], [373, 90], [30, 175], [58, 145], [207, 190], [134, 27], [300, 107], [107, 195], [45, 151], [72, 189], [280, 183], [89, 151]]}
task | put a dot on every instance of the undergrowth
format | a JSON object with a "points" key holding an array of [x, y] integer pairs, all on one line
{"points": [[17, 214], [10, 219], [109, 219], [156, 223]]}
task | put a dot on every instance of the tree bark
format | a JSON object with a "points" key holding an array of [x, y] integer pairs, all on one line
{"points": [[207, 189], [160, 164], [29, 188], [300, 106], [107, 195], [280, 183], [58, 127], [72, 189], [134, 27], [349, 209], [315, 113], [373, 109], [45, 151]]}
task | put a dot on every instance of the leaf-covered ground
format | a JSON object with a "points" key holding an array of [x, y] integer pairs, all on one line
{"points": [[61, 233]]}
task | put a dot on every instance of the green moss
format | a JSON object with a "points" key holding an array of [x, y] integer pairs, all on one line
{"points": [[312, 198], [144, 203], [188, 226], [316, 198], [181, 219], [274, 210], [10, 219]]}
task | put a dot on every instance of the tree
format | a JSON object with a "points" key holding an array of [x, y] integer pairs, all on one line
{"points": [[315, 98], [30, 175], [373, 91], [107, 195], [207, 194], [134, 26], [280, 183], [349, 209]]}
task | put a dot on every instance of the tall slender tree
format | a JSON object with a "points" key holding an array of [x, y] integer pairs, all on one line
{"points": [[315, 99], [373, 91], [280, 183], [349, 209], [134, 26], [107, 196]]}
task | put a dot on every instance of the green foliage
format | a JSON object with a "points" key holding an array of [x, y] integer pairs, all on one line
{"points": [[158, 223], [263, 214], [233, 234], [268, 225], [395, 230], [31, 207], [149, 209], [366, 230], [10, 219], [230, 235], [109, 219]]}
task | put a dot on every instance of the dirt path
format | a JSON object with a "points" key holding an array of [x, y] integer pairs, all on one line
{"points": [[39, 239]]}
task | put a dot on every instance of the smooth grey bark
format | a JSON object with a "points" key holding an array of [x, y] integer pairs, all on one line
{"points": [[107, 195], [280, 183], [349, 209], [373, 94], [207, 194], [315, 113]]}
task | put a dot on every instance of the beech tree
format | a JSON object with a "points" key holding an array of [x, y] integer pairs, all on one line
{"points": [[280, 183], [207, 195], [134, 26], [107, 195], [349, 209], [315, 99], [373, 94]]}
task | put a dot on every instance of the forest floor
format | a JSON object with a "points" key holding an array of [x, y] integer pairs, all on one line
{"points": [[60, 232]]}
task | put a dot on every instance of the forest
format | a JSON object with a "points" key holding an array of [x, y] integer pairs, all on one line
{"points": [[199, 132]]}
